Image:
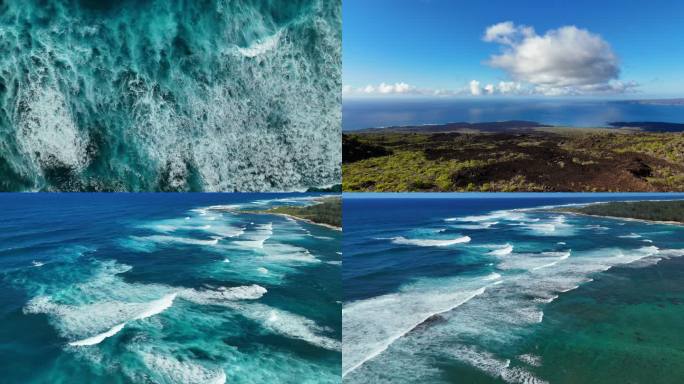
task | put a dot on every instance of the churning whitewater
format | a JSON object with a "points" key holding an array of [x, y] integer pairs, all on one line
{"points": [[169, 95], [457, 290], [166, 288]]}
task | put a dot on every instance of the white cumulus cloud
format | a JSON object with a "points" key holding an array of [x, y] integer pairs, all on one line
{"points": [[567, 60], [399, 88]]}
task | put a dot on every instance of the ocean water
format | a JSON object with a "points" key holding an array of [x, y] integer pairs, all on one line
{"points": [[166, 288], [359, 114], [211, 95], [491, 289]]}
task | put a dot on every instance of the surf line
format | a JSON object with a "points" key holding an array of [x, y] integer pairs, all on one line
{"points": [[391, 340], [155, 307]]}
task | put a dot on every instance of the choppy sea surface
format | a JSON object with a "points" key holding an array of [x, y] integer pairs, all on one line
{"points": [[159, 95], [495, 290], [166, 288], [360, 114]]}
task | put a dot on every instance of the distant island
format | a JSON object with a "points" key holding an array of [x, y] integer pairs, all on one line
{"points": [[514, 156], [656, 101], [496, 126], [649, 126], [326, 211], [671, 211]]}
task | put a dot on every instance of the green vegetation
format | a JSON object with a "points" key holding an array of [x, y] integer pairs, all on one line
{"points": [[540, 159], [327, 210], [642, 210]]}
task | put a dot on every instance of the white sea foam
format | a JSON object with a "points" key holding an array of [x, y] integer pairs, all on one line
{"points": [[48, 133], [168, 369], [370, 326], [37, 263], [285, 253], [256, 238], [511, 215], [176, 239], [430, 242], [156, 307], [561, 256], [496, 367], [222, 295], [482, 225], [503, 251], [150, 309], [290, 325], [97, 339], [261, 46], [630, 236]]}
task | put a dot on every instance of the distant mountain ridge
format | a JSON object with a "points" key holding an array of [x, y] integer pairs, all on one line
{"points": [[515, 125], [495, 126], [678, 101]]}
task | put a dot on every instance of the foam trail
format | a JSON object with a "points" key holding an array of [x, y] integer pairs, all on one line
{"points": [[561, 258], [97, 339], [260, 47], [370, 326], [503, 251], [179, 240], [429, 242], [156, 307], [153, 308], [290, 325], [223, 294]]}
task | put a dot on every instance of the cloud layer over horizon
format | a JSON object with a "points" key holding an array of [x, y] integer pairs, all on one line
{"points": [[564, 61]]}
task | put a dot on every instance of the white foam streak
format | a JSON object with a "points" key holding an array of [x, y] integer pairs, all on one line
{"points": [[261, 47], [430, 242], [97, 339], [156, 307], [503, 251], [153, 308], [221, 295], [370, 326]]}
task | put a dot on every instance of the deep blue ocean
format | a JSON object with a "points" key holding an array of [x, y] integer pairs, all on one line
{"points": [[169, 95], [474, 288], [359, 114], [166, 288]]}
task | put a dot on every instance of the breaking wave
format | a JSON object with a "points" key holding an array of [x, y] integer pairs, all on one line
{"points": [[430, 242]]}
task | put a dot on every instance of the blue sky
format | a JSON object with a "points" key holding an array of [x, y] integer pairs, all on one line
{"points": [[632, 48]]}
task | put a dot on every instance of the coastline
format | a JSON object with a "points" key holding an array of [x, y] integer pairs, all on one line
{"points": [[300, 213], [677, 223], [286, 215]]}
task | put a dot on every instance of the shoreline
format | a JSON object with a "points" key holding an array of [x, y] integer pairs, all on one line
{"points": [[677, 223], [286, 215]]}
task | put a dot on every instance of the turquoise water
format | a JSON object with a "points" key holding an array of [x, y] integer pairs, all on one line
{"points": [[211, 95], [166, 288], [503, 290]]}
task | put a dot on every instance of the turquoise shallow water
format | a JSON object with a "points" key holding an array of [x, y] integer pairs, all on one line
{"points": [[170, 288], [496, 290], [210, 95]]}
